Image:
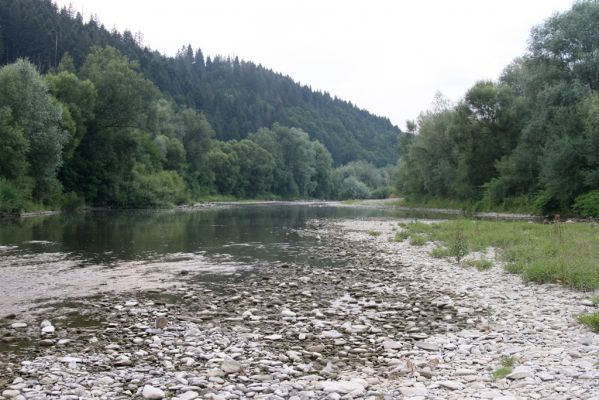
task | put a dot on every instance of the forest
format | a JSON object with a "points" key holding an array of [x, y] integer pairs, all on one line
{"points": [[529, 140], [89, 116]]}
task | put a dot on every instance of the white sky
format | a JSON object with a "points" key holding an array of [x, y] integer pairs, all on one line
{"points": [[387, 56]]}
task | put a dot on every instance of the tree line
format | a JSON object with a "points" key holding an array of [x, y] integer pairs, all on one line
{"points": [[105, 135], [530, 138], [236, 97]]}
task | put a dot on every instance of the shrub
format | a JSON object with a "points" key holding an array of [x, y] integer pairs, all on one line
{"points": [[352, 188], [161, 189], [382, 192], [72, 202], [544, 203], [12, 200], [587, 205], [459, 245]]}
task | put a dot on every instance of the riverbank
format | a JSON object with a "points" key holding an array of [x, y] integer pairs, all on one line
{"points": [[388, 322]]}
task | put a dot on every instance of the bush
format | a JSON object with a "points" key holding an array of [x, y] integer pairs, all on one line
{"points": [[161, 189], [12, 200], [545, 203], [352, 188], [587, 205], [72, 202], [459, 245], [382, 192]]}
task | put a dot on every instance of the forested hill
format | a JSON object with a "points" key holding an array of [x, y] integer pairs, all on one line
{"points": [[237, 97]]}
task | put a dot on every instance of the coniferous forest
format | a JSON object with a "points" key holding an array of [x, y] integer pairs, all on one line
{"points": [[92, 116], [530, 139]]}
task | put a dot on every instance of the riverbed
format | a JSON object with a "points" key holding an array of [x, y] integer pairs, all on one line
{"points": [[274, 302]]}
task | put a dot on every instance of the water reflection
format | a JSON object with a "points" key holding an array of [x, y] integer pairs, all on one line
{"points": [[244, 233]]}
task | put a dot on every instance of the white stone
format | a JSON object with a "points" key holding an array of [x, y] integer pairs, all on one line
{"points": [[151, 392], [464, 371], [274, 337], [520, 373], [19, 325], [413, 391], [48, 329], [355, 387], [331, 334], [391, 345], [453, 385], [190, 395], [10, 393], [70, 360], [230, 366], [288, 313]]}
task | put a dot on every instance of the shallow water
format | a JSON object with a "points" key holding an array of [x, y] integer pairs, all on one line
{"points": [[77, 255], [241, 233]]}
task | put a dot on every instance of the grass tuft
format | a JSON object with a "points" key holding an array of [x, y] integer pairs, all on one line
{"points": [[401, 236], [440, 252], [592, 320], [481, 264], [375, 233], [507, 365], [418, 240]]}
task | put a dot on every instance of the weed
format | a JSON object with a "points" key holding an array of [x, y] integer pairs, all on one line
{"points": [[440, 252], [459, 246], [418, 240], [501, 373], [592, 320], [507, 364], [401, 236], [375, 233], [481, 264]]}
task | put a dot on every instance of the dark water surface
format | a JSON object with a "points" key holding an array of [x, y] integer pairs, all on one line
{"points": [[246, 233]]}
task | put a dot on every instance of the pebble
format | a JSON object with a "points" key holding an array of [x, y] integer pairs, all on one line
{"points": [[151, 392]]}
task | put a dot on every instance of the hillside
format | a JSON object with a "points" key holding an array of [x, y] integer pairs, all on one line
{"points": [[237, 97]]}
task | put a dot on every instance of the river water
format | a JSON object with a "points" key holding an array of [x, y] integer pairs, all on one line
{"points": [[74, 255]]}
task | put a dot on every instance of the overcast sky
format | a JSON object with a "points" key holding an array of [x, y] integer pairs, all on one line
{"points": [[387, 56]]}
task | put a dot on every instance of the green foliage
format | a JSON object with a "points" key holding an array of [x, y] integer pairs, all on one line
{"points": [[161, 189], [375, 233], [13, 147], [417, 240], [37, 115], [440, 252], [72, 202], [402, 235], [458, 247], [480, 264], [532, 135], [592, 320], [543, 203], [236, 96], [352, 188], [507, 364], [12, 200], [587, 205]]}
